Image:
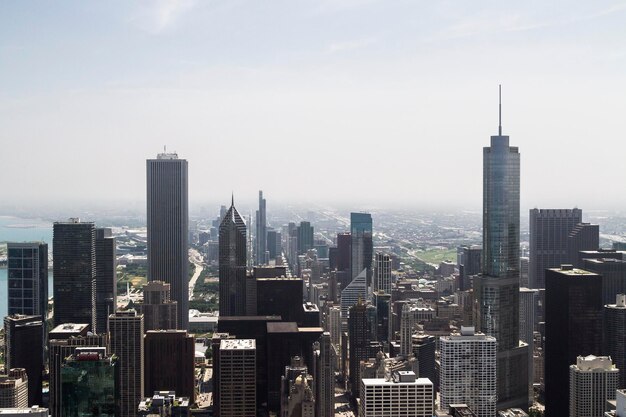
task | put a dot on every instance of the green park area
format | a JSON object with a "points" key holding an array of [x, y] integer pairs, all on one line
{"points": [[435, 256]]}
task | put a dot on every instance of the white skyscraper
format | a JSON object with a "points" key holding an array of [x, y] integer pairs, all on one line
{"points": [[406, 331], [357, 289], [593, 381], [382, 278], [468, 371], [401, 395], [334, 325]]}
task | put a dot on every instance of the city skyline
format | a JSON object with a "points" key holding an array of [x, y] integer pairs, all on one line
{"points": [[173, 73]]}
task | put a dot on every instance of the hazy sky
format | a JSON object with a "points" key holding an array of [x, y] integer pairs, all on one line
{"points": [[383, 103]]}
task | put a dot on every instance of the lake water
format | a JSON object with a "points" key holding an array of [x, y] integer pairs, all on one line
{"points": [[14, 229]]}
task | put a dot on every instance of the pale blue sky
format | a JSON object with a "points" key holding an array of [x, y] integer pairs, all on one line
{"points": [[382, 103]]}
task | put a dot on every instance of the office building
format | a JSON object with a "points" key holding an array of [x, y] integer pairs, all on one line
{"points": [[33, 411], [106, 278], [237, 378], [613, 273], [344, 253], [27, 272], [274, 246], [127, 344], [549, 230], [360, 338], [527, 306], [497, 288], [403, 394], [469, 264], [324, 376], [468, 371], [89, 384], [573, 328], [305, 235], [362, 246], [168, 228], [280, 297], [424, 347], [524, 266], [382, 302], [593, 381], [158, 309], [614, 336], [24, 348], [164, 403], [333, 324], [232, 264], [74, 244], [63, 341], [406, 331], [355, 291], [169, 362], [260, 246], [584, 237], [14, 389], [382, 279], [296, 391]]}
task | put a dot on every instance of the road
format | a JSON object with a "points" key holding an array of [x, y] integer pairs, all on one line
{"points": [[196, 259]]}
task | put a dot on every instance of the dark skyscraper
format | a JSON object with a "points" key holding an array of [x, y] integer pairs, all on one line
{"points": [[74, 246], [168, 228], [497, 288], [549, 230], [106, 278], [613, 273], [232, 264], [614, 340], [28, 278], [24, 348], [469, 265], [261, 232], [584, 237], [573, 328], [305, 237], [359, 337], [362, 245]]}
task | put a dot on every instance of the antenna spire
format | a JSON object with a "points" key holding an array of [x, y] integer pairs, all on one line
{"points": [[500, 110], [232, 202]]}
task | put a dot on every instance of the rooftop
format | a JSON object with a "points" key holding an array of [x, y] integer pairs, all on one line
{"points": [[571, 271], [70, 328], [383, 381], [237, 344]]}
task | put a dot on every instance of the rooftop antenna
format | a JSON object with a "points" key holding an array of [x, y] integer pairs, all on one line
{"points": [[232, 202], [164, 148], [500, 110]]}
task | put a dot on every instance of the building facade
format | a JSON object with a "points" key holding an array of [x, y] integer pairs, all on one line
{"points": [[237, 378], [27, 271], [403, 394], [24, 348], [106, 279], [593, 381], [232, 264]]}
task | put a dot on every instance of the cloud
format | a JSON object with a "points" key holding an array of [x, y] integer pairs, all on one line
{"points": [[155, 17], [350, 45]]}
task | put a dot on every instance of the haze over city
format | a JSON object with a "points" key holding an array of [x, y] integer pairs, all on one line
{"points": [[353, 103]]}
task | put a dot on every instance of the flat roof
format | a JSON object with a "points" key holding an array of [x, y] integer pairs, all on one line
{"points": [[69, 328], [237, 344], [383, 381], [574, 272]]}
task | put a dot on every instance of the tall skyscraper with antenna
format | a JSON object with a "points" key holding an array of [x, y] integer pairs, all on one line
{"points": [[261, 232], [497, 288], [168, 228], [232, 263]]}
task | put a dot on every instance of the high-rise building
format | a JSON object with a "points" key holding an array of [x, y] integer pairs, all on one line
{"points": [[74, 244], [424, 347], [613, 273], [592, 383], [549, 229], [468, 371], [614, 336], [24, 348], [168, 228], [573, 328], [382, 279], [362, 246], [14, 389], [359, 340], [403, 394], [64, 340], [89, 384], [527, 305], [469, 264], [169, 362], [126, 329], [497, 288], [106, 278], [232, 264], [237, 378], [296, 391], [27, 278], [274, 246], [305, 235], [524, 266], [344, 252], [406, 331], [382, 302], [324, 376], [355, 291], [159, 311], [584, 237], [261, 232], [333, 324]]}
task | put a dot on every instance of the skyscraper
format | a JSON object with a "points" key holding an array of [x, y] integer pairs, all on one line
{"points": [[237, 378], [382, 280], [527, 305], [324, 376], [614, 337], [362, 245], [24, 348], [592, 383], [549, 229], [74, 244], [469, 264], [232, 264], [106, 278], [402, 394], [28, 278], [497, 288], [261, 232], [584, 237], [126, 328], [468, 371], [359, 340], [14, 389], [159, 311], [168, 228], [613, 273], [573, 328], [305, 235], [354, 292]]}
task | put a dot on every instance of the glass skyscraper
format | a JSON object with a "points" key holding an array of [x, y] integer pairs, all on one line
{"points": [[232, 264], [362, 245]]}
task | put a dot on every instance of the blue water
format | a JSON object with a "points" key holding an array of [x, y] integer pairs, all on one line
{"points": [[14, 229]]}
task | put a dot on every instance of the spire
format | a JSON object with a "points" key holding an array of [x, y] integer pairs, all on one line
{"points": [[500, 110], [232, 201]]}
